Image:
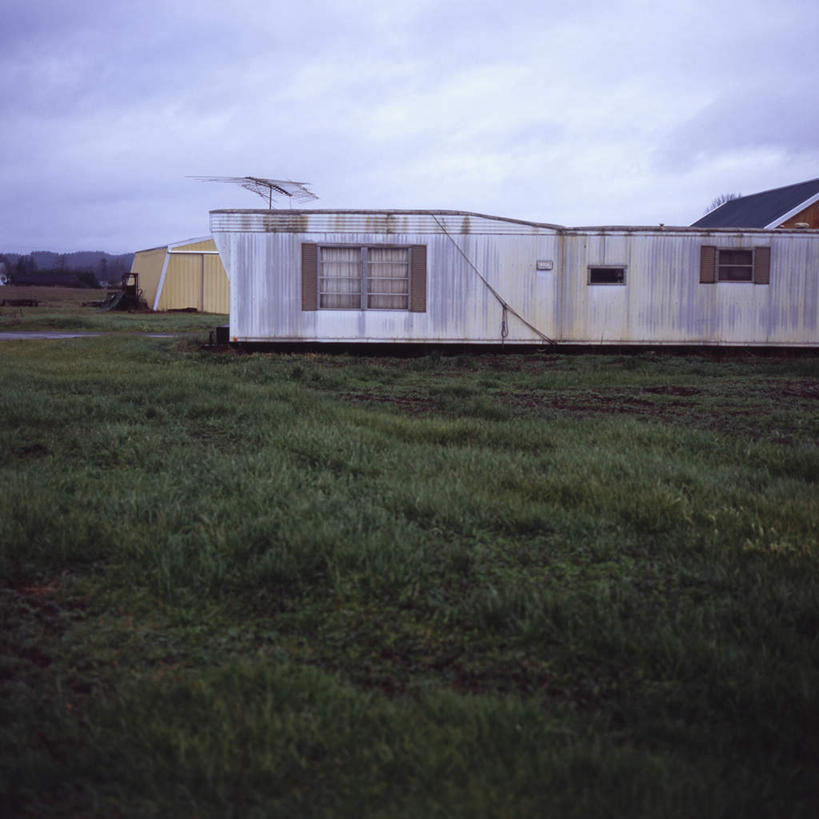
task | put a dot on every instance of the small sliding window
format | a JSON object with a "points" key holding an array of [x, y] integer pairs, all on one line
{"points": [[735, 265], [607, 274]]}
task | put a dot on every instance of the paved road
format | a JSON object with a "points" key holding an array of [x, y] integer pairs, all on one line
{"points": [[23, 335]]}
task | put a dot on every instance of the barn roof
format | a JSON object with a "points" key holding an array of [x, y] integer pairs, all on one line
{"points": [[764, 209]]}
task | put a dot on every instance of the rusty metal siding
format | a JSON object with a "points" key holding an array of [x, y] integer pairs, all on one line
{"points": [[661, 302], [266, 283], [665, 302], [389, 223]]}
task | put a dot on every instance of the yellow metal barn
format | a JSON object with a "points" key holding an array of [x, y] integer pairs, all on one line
{"points": [[183, 275]]}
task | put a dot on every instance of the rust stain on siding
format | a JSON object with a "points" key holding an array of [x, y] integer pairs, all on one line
{"points": [[662, 300]]}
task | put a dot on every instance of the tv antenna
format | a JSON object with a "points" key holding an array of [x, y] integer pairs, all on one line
{"points": [[267, 188]]}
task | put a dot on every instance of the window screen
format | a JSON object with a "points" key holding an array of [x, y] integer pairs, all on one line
{"points": [[387, 278], [340, 277]]}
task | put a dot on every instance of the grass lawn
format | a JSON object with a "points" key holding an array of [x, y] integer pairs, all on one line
{"points": [[61, 308], [472, 586]]}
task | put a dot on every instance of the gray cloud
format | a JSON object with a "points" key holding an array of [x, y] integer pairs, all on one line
{"points": [[781, 119], [626, 112]]}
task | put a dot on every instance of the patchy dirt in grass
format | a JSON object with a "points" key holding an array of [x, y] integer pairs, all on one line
{"points": [[411, 404], [469, 678], [393, 671], [597, 403], [629, 403], [797, 389], [31, 451], [672, 390], [40, 615], [733, 411]]}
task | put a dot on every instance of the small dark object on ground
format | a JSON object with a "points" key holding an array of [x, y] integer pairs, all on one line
{"points": [[183, 310], [129, 297], [218, 338], [20, 303]]}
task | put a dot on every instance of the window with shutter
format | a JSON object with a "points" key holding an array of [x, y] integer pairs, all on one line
{"points": [[364, 277], [735, 265], [732, 264]]}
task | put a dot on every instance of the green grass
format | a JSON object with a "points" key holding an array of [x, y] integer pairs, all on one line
{"points": [[316, 585], [60, 309]]}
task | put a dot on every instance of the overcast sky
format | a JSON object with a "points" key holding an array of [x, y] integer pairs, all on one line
{"points": [[617, 112]]}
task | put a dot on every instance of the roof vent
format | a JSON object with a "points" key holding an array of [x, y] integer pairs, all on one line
{"points": [[802, 225]]}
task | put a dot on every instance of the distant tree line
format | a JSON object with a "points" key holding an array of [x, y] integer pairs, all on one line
{"points": [[719, 201], [79, 269]]}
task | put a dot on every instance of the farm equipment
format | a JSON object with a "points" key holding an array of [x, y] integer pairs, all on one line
{"points": [[128, 297]]}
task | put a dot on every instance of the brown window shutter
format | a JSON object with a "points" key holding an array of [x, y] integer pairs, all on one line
{"points": [[418, 279], [708, 264], [762, 265], [309, 276]]}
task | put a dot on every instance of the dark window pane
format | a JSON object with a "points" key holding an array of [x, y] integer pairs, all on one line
{"points": [[743, 257], [607, 275], [735, 266], [735, 274]]}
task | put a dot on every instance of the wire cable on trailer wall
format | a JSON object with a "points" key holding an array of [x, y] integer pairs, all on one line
{"points": [[503, 303]]}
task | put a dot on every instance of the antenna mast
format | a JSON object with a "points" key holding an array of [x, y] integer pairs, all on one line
{"points": [[267, 188]]}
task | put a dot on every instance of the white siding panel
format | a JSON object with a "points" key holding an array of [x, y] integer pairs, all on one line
{"points": [[664, 302], [661, 302], [264, 270], [388, 223]]}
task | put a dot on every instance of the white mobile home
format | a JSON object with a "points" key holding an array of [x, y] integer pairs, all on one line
{"points": [[467, 278]]}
